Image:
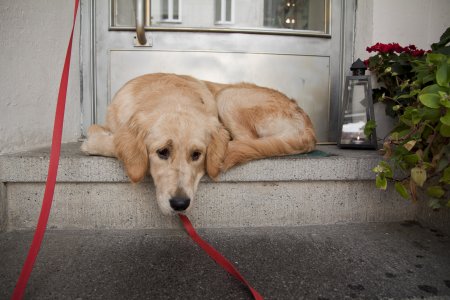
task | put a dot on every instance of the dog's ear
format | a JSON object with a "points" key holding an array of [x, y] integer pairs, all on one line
{"points": [[131, 149], [215, 153]]}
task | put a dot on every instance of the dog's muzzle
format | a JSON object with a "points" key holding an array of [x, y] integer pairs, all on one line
{"points": [[179, 203]]}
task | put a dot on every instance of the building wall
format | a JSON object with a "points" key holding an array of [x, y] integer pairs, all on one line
{"points": [[33, 41], [418, 22]]}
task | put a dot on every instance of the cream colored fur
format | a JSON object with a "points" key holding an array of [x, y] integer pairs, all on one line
{"points": [[193, 120]]}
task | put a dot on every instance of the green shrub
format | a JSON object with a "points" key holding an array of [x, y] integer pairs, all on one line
{"points": [[415, 85]]}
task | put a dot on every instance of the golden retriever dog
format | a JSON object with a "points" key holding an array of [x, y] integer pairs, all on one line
{"points": [[177, 128]]}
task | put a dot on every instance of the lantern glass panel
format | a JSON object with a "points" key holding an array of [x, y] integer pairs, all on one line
{"points": [[356, 113]]}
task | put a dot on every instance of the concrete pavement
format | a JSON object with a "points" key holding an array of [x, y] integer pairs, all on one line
{"points": [[353, 261]]}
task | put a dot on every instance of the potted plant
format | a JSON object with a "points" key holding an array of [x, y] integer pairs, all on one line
{"points": [[414, 85]]}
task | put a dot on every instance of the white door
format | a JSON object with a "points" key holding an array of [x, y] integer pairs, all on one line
{"points": [[295, 46]]}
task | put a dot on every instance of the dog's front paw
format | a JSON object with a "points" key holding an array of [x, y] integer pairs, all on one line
{"points": [[85, 147], [100, 141], [231, 157]]}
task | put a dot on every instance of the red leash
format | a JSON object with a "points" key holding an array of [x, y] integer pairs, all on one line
{"points": [[52, 173], [218, 258], [50, 188]]}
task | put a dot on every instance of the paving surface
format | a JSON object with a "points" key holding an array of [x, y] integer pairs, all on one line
{"points": [[363, 261]]}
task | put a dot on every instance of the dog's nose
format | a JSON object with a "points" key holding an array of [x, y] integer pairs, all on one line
{"points": [[178, 203]]}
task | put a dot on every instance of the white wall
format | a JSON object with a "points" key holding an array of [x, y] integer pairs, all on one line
{"points": [[418, 22], [33, 41]]}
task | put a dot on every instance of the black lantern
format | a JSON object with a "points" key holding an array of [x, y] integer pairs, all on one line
{"points": [[357, 111]]}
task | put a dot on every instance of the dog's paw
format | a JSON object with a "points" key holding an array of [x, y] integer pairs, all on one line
{"points": [[97, 129], [231, 157], [85, 147], [99, 142]]}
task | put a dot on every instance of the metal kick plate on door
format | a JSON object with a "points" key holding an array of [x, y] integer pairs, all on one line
{"points": [[303, 78]]}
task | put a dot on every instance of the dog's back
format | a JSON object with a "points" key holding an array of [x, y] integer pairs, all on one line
{"points": [[262, 122]]}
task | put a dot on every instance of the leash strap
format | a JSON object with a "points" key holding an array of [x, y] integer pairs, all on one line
{"points": [[52, 173], [55, 151], [216, 256]]}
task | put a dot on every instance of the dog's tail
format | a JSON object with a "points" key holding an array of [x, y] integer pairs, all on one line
{"points": [[246, 150]]}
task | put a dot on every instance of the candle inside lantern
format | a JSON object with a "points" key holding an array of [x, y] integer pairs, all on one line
{"points": [[359, 140]]}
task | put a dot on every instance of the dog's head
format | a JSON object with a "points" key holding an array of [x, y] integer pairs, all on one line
{"points": [[177, 147]]}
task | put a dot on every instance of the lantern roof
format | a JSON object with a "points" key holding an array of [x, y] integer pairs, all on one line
{"points": [[358, 68]]}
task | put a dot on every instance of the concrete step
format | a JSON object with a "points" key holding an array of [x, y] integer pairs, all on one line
{"points": [[94, 193], [357, 261]]}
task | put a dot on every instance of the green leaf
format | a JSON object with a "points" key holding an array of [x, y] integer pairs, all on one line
{"points": [[406, 120], [381, 181], [444, 40], [430, 100], [404, 96], [435, 58], [416, 118], [435, 191], [445, 102], [419, 175], [401, 189], [411, 159], [394, 136], [432, 114], [369, 128], [427, 165], [446, 118], [435, 204], [445, 176], [377, 169], [432, 89], [411, 116], [383, 169], [428, 78], [442, 164], [445, 130], [442, 75], [387, 170], [403, 133]]}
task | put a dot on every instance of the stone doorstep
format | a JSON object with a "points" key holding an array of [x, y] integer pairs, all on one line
{"points": [[94, 193], [255, 204], [76, 167]]}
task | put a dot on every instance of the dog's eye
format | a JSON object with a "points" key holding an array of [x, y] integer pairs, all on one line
{"points": [[163, 153], [196, 155]]}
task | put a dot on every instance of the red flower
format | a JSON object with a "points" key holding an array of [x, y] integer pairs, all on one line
{"points": [[395, 48]]}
